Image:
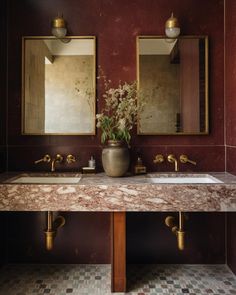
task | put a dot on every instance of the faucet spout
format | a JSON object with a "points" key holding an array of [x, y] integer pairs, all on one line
{"points": [[53, 165], [172, 159], [57, 159]]}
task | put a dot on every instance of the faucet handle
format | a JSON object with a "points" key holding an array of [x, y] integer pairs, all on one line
{"points": [[171, 158], [45, 158], [70, 159], [58, 158], [158, 159], [185, 159]]}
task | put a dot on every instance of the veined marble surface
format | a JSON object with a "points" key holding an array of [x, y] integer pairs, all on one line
{"points": [[102, 193]]}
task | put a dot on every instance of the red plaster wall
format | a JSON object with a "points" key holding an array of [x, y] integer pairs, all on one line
{"points": [[116, 23], [231, 240], [230, 102], [3, 84], [85, 238], [230, 84]]}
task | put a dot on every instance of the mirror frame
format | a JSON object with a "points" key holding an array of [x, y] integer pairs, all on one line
{"points": [[206, 132], [24, 38]]}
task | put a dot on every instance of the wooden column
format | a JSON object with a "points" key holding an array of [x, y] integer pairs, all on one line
{"points": [[118, 252]]}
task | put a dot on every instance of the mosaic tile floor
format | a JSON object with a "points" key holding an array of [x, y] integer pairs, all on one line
{"points": [[95, 279]]}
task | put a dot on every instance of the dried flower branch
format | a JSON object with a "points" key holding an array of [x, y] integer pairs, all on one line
{"points": [[121, 110]]}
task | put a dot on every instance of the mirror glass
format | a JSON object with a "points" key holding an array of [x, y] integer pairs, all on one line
{"points": [[173, 81], [58, 86]]}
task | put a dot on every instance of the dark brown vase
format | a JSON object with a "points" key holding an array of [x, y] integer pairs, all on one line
{"points": [[115, 158]]}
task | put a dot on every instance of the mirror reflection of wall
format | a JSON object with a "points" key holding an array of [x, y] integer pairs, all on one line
{"points": [[173, 80], [59, 86]]}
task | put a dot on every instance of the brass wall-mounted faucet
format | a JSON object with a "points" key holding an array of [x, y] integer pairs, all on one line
{"points": [[172, 159], [47, 159], [185, 159], [57, 159], [52, 227], [178, 230]]}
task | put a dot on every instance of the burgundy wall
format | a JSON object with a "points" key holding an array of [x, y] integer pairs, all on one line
{"points": [[3, 86], [150, 241], [231, 241], [230, 84], [116, 25], [230, 102], [85, 238]]}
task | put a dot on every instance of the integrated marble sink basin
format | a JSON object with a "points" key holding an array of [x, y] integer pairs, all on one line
{"points": [[47, 179], [183, 178]]}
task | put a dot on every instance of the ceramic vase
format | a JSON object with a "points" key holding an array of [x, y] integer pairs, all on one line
{"points": [[115, 158]]}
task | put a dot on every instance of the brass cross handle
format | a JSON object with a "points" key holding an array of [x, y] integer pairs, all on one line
{"points": [[158, 159], [185, 159], [58, 158], [70, 159]]}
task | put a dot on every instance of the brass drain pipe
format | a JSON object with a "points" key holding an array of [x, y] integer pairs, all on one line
{"points": [[177, 230], [52, 227]]}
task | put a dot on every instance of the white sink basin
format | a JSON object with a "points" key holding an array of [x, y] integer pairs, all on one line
{"points": [[46, 179], [197, 178]]}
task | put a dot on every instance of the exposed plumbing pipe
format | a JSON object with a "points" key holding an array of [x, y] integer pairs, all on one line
{"points": [[52, 227], [178, 230]]}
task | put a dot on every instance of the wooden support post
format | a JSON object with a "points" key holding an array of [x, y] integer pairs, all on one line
{"points": [[118, 252]]}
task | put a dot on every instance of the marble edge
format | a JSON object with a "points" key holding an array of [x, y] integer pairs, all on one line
{"points": [[226, 179]]}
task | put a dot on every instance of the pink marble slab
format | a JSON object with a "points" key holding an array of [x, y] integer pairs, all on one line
{"points": [[101, 193]]}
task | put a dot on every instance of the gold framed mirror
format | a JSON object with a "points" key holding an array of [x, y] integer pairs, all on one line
{"points": [[58, 85], [172, 77]]}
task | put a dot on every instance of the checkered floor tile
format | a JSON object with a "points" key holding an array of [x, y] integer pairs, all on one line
{"points": [[181, 279], [95, 280]]}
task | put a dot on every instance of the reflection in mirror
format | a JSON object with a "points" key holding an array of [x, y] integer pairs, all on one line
{"points": [[58, 86], [173, 79]]}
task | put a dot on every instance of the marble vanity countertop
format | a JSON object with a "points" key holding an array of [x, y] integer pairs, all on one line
{"points": [[101, 193]]}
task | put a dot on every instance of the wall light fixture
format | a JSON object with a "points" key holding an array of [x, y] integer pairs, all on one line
{"points": [[59, 29], [172, 28]]}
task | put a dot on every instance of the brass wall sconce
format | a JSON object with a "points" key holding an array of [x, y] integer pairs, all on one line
{"points": [[172, 28], [59, 29], [178, 230], [52, 227]]}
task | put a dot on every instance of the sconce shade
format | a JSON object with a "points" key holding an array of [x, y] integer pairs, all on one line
{"points": [[172, 28], [59, 27]]}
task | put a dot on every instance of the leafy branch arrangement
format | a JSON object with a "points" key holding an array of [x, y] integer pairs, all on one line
{"points": [[121, 110]]}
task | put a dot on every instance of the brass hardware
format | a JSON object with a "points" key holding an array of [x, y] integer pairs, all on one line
{"points": [[52, 227], [59, 29], [57, 159], [172, 22], [158, 159], [59, 22], [70, 159], [185, 159], [172, 159], [177, 230], [45, 158]]}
